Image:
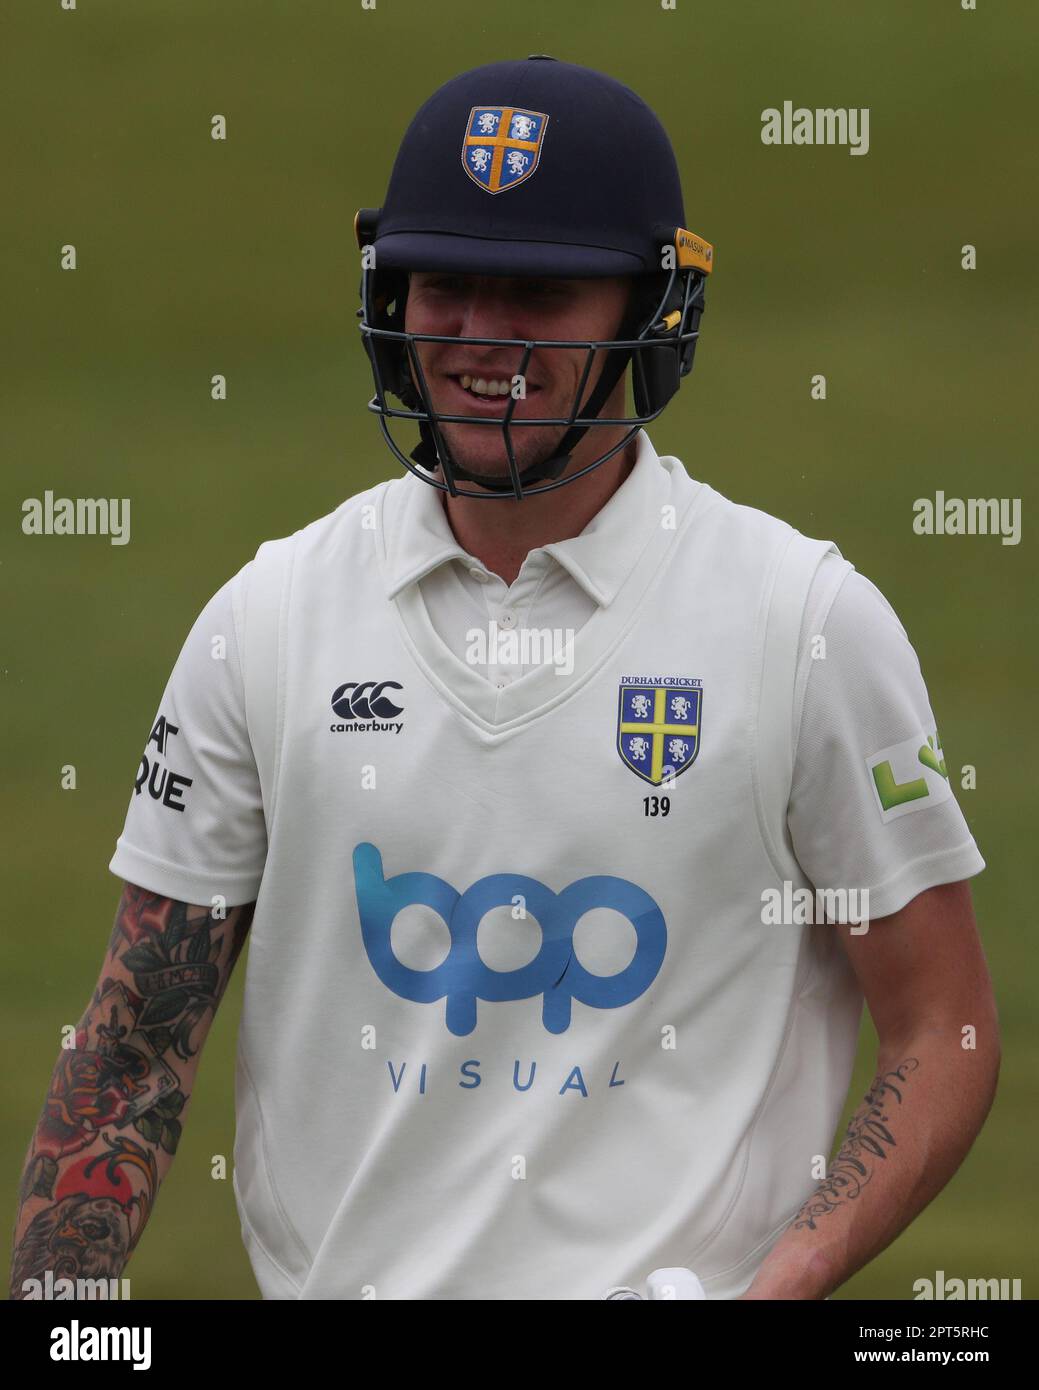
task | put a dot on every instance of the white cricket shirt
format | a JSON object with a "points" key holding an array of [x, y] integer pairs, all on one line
{"points": [[511, 1031]]}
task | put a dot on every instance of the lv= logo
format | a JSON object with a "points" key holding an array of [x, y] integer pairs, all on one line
{"points": [[893, 793]]}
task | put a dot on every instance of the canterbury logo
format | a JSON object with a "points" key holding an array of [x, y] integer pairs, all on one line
{"points": [[362, 704]]}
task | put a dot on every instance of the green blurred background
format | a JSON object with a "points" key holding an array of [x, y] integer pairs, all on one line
{"points": [[198, 257]]}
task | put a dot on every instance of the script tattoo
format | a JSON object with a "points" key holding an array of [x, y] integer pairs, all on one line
{"points": [[114, 1100], [868, 1138]]}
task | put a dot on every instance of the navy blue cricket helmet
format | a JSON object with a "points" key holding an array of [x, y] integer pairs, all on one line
{"points": [[533, 168]]}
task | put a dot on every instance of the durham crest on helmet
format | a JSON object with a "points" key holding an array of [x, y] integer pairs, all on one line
{"points": [[502, 145]]}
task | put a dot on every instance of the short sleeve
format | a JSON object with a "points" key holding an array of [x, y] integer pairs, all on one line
{"points": [[871, 805], [195, 826]]}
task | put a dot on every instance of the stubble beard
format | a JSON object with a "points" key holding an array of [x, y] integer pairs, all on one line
{"points": [[490, 459]]}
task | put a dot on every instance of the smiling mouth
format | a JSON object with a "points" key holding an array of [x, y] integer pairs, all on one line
{"points": [[488, 388]]}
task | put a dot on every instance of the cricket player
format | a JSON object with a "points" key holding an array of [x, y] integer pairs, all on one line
{"points": [[571, 810]]}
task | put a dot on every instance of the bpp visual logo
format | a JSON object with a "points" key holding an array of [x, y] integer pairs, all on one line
{"points": [[462, 978]]}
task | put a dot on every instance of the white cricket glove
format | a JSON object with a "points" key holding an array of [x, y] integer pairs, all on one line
{"points": [[663, 1283]]}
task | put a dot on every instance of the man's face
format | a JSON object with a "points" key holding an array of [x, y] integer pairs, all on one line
{"points": [[472, 306]]}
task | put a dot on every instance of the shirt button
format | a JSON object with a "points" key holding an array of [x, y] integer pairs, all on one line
{"points": [[500, 682], [507, 620], [479, 575]]}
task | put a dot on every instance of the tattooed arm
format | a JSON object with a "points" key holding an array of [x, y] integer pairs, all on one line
{"points": [[116, 1101], [925, 980]]}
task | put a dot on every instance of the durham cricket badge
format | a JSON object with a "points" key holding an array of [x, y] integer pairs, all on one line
{"points": [[502, 146], [658, 725]]}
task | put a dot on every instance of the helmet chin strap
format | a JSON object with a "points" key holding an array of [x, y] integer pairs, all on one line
{"points": [[427, 455]]}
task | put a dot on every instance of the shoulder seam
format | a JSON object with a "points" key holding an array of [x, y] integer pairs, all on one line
{"points": [[801, 693]]}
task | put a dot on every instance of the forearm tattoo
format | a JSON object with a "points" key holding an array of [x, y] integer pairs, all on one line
{"points": [[869, 1141], [114, 1101]]}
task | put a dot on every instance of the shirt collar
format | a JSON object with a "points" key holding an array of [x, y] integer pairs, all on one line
{"points": [[418, 537]]}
